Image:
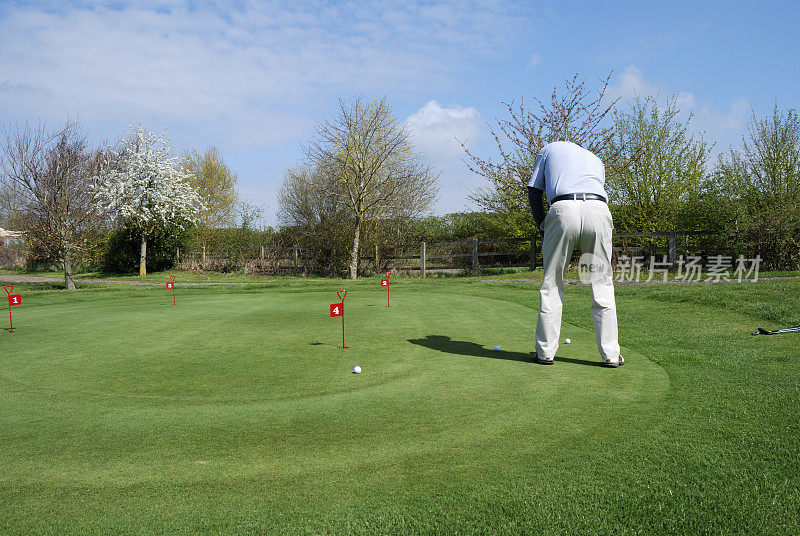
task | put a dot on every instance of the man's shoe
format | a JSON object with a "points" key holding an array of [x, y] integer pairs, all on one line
{"points": [[614, 364], [540, 361]]}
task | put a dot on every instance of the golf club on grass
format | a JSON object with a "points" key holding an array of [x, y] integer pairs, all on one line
{"points": [[762, 331]]}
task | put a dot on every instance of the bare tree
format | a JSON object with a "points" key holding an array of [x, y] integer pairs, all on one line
{"points": [[575, 114], [10, 207], [371, 166], [51, 175], [309, 198], [312, 207]]}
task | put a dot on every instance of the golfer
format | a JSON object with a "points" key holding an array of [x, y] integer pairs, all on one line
{"points": [[573, 179]]}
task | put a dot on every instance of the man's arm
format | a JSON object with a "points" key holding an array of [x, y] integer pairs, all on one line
{"points": [[537, 207], [536, 188]]}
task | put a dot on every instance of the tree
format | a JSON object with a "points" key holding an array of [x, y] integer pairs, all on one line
{"points": [[576, 114], [49, 174], [143, 185], [10, 206], [370, 167], [251, 216], [766, 169], [312, 208], [309, 198], [667, 166], [216, 185], [763, 177]]}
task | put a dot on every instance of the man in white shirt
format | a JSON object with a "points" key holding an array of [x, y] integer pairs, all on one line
{"points": [[573, 179]]}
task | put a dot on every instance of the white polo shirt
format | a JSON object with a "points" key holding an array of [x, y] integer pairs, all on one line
{"points": [[563, 167]]}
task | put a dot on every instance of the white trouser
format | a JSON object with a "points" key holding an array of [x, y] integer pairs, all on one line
{"points": [[586, 225]]}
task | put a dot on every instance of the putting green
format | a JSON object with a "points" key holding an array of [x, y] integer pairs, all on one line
{"points": [[227, 393]]}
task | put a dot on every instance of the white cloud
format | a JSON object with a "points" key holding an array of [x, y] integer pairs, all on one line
{"points": [[710, 119], [719, 126], [438, 132], [631, 84], [535, 60], [190, 60], [260, 63]]}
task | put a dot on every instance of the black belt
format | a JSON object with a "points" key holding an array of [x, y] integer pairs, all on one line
{"points": [[579, 197]]}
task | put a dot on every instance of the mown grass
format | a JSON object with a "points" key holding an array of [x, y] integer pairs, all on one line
{"points": [[236, 413]]}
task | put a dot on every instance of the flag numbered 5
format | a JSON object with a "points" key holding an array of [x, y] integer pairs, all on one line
{"points": [[14, 299], [337, 309]]}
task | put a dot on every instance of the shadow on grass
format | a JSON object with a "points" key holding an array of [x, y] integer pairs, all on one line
{"points": [[445, 344]]}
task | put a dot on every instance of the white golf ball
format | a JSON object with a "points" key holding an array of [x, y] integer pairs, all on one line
{"points": [[357, 370], [497, 348], [567, 341]]}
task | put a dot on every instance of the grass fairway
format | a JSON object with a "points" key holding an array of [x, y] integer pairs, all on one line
{"points": [[236, 412]]}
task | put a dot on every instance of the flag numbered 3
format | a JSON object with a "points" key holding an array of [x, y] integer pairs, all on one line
{"points": [[14, 299], [170, 286], [337, 309]]}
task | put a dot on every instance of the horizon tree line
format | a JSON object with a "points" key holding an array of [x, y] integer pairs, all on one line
{"points": [[361, 178]]}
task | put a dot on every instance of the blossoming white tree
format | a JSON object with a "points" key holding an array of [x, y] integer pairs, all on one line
{"points": [[145, 185]]}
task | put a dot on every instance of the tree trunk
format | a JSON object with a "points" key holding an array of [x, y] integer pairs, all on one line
{"points": [[69, 283], [143, 256], [354, 255]]}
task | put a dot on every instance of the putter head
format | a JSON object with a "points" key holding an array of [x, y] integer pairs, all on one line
{"points": [[763, 331]]}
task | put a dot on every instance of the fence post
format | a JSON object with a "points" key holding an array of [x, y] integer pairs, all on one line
{"points": [[204, 254], [262, 254], [533, 252], [672, 248], [474, 256], [422, 258], [294, 255], [377, 260], [178, 255]]}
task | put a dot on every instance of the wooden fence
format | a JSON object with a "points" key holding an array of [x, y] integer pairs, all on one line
{"points": [[271, 259], [462, 256], [476, 254]]}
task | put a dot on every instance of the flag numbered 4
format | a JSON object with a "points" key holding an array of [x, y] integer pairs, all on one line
{"points": [[337, 309], [14, 299]]}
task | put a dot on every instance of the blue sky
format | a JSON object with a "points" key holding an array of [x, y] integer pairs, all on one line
{"points": [[252, 78]]}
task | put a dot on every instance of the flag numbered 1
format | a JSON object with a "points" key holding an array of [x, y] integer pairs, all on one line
{"points": [[16, 299], [337, 309]]}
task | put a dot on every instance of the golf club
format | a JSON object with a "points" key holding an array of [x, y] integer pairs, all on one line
{"points": [[762, 331]]}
